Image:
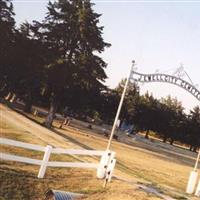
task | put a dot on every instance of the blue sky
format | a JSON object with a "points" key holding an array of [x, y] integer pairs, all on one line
{"points": [[158, 35]]}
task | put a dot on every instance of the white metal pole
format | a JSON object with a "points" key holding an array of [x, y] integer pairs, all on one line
{"points": [[119, 107]]}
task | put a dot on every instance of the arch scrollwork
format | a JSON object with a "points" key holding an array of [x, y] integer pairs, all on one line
{"points": [[158, 77]]}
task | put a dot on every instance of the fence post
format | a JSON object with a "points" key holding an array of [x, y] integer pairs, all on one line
{"points": [[110, 167], [193, 177], [197, 193], [192, 182], [101, 170], [45, 160]]}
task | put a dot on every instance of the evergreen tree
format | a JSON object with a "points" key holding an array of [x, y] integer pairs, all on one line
{"points": [[7, 38], [173, 118], [193, 129], [72, 33], [130, 100], [30, 64]]}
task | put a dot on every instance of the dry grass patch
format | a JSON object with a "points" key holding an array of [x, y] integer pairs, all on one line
{"points": [[20, 182], [161, 166]]}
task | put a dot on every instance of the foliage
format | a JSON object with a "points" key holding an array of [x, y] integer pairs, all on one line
{"points": [[7, 38], [57, 63], [71, 30]]}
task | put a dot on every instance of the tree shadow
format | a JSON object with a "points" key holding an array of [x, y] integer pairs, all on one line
{"points": [[169, 154], [19, 184], [71, 139]]}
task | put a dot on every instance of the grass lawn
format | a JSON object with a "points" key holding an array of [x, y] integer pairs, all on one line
{"points": [[160, 166]]}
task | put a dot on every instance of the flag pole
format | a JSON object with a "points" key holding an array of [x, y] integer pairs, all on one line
{"points": [[116, 119], [119, 107]]}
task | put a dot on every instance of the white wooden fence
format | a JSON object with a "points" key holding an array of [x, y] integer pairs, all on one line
{"points": [[104, 168]]}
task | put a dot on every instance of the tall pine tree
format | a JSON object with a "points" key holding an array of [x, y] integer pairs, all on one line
{"points": [[72, 33], [7, 30]]}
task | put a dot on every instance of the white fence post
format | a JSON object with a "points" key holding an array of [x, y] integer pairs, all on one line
{"points": [[101, 170], [192, 182], [197, 193], [193, 177], [110, 167], [45, 160]]}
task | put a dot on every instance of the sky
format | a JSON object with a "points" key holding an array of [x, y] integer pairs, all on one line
{"points": [[158, 35]]}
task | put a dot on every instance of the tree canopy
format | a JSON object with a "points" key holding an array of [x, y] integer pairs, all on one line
{"points": [[57, 63]]}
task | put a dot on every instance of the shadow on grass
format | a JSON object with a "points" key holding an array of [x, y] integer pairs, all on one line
{"points": [[71, 139], [51, 129], [167, 154], [162, 153], [18, 185]]}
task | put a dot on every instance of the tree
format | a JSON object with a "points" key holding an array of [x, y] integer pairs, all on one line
{"points": [[145, 116], [71, 31], [130, 100], [7, 38], [193, 129], [32, 57], [173, 119], [109, 102]]}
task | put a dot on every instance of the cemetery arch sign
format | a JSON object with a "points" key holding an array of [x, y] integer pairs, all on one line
{"points": [[159, 77], [156, 77], [166, 78]]}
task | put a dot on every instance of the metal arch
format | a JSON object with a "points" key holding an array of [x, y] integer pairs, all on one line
{"points": [[139, 77]]}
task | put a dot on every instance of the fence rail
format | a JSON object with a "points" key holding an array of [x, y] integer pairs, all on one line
{"points": [[104, 168], [10, 157], [77, 152], [21, 144]]}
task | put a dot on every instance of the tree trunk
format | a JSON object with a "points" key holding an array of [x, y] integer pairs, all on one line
{"points": [[3, 92], [52, 111], [147, 134], [194, 149], [171, 142], [28, 106], [164, 139]]}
